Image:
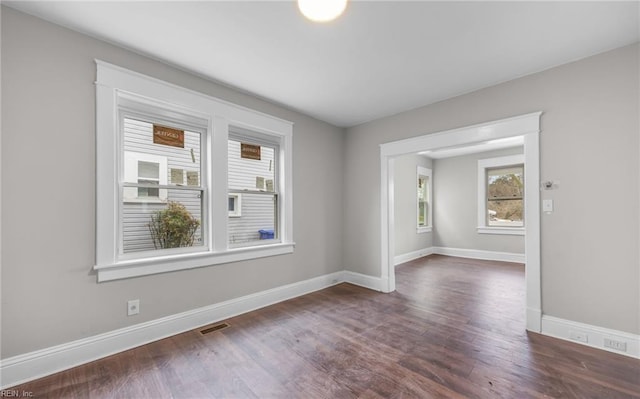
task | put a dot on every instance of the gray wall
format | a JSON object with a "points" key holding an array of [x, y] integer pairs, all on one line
{"points": [[49, 294], [590, 261], [406, 202], [456, 205]]}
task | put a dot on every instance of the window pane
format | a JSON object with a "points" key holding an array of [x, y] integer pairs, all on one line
{"points": [[505, 213], [505, 182], [252, 215], [250, 169], [148, 226], [423, 196], [149, 155], [257, 221], [160, 218], [505, 193]]}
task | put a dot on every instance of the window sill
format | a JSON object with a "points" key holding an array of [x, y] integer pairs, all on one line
{"points": [[514, 231], [424, 229], [164, 264]]}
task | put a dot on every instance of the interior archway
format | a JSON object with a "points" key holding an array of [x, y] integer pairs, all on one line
{"points": [[527, 126]]}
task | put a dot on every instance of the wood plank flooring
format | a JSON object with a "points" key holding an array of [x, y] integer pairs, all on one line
{"points": [[453, 329]]}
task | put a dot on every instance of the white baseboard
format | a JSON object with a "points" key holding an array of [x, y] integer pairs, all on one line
{"points": [[363, 280], [594, 336], [26, 367], [409, 256], [480, 254], [461, 253]]}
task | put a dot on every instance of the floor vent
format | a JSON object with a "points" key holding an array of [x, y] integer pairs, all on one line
{"points": [[217, 327]]}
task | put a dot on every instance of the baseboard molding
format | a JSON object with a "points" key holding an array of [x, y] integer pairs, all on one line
{"points": [[461, 253], [363, 280], [409, 256], [26, 367], [594, 336], [480, 254]]}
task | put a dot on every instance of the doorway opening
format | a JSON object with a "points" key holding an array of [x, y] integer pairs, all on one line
{"points": [[525, 126]]}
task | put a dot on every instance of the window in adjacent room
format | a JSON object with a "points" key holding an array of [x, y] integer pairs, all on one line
{"points": [[505, 193], [424, 200], [501, 195]]}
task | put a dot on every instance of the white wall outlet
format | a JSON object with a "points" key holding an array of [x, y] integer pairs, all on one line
{"points": [[617, 345], [578, 336], [133, 307]]}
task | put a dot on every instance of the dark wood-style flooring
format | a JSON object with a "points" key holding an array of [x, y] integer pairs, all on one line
{"points": [[454, 328]]}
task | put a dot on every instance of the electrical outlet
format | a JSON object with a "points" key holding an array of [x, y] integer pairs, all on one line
{"points": [[617, 345], [133, 307], [578, 336]]}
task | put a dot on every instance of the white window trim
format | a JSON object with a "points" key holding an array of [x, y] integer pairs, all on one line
{"points": [[114, 83], [422, 171], [483, 165]]}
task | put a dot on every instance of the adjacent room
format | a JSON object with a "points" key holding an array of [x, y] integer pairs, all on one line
{"points": [[243, 199]]}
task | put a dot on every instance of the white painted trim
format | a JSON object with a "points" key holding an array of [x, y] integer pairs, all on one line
{"points": [[409, 256], [387, 218], [563, 329], [528, 126], [164, 264], [513, 231], [363, 280], [26, 367], [118, 89], [480, 254]]}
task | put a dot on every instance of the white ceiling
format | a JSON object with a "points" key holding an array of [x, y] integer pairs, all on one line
{"points": [[378, 59]]}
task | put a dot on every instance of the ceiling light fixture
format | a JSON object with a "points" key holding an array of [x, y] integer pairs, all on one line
{"points": [[322, 10]]}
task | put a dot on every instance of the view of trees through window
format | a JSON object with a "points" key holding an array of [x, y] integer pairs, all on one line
{"points": [[505, 196]]}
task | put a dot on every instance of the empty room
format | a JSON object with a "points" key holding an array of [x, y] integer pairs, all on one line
{"points": [[320, 199]]}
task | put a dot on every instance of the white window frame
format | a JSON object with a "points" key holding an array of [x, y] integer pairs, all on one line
{"points": [[118, 88], [237, 212], [131, 159], [483, 165], [427, 172]]}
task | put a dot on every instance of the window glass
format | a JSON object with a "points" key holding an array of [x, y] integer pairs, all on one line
{"points": [[423, 200], [505, 196], [162, 198], [252, 174]]}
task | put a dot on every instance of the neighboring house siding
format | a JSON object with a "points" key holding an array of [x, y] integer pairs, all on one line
{"points": [[138, 138], [257, 210]]}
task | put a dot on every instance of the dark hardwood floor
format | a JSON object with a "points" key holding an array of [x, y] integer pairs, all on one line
{"points": [[453, 329]]}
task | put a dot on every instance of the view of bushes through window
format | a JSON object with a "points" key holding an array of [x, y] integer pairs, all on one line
{"points": [[505, 196]]}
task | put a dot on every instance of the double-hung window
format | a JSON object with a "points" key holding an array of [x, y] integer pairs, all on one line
{"points": [[185, 180], [501, 195], [253, 176], [425, 208]]}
